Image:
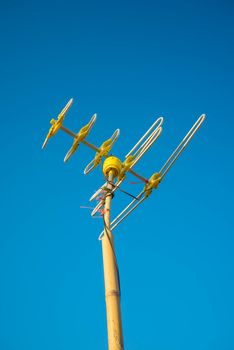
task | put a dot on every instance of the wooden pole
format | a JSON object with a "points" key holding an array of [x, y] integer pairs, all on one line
{"points": [[111, 278]]}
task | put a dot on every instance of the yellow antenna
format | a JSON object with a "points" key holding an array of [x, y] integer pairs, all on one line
{"points": [[115, 172]]}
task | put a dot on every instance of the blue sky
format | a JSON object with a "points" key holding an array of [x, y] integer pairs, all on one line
{"points": [[129, 62]]}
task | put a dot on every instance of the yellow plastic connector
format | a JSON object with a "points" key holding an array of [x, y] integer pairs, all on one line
{"points": [[126, 165], [80, 136], [112, 164], [152, 183], [57, 124], [102, 151]]}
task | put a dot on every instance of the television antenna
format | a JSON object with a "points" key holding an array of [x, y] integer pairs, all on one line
{"points": [[115, 172]]}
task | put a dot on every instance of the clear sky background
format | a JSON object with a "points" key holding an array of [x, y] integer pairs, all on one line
{"points": [[130, 62]]}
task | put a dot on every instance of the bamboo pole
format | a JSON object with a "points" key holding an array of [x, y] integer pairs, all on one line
{"points": [[112, 288]]}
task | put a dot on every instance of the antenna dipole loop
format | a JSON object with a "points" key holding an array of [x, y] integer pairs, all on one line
{"points": [[183, 144]]}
